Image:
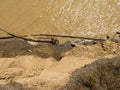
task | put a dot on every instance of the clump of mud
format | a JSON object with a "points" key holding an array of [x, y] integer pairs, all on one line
{"points": [[103, 74]]}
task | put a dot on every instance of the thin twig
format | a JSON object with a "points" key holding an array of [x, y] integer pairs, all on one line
{"points": [[27, 39]]}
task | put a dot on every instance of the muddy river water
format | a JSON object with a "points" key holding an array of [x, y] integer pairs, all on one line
{"points": [[88, 18]]}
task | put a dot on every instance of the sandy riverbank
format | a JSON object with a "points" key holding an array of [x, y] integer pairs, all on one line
{"points": [[46, 73]]}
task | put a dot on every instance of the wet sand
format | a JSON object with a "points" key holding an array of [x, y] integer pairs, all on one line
{"points": [[17, 47]]}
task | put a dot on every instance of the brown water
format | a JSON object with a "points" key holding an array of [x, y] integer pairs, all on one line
{"points": [[89, 18]]}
